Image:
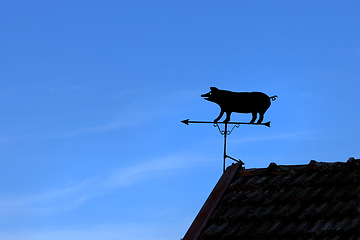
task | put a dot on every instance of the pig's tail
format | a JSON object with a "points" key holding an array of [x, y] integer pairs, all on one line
{"points": [[273, 98]]}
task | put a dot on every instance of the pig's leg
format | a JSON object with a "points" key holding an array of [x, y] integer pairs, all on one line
{"points": [[261, 117], [227, 117], [254, 115], [220, 115]]}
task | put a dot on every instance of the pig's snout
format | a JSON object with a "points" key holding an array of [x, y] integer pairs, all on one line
{"points": [[205, 95]]}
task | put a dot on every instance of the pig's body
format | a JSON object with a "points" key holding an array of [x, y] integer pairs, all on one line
{"points": [[241, 102]]}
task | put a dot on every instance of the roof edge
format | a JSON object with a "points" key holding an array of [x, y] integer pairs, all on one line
{"points": [[212, 201]]}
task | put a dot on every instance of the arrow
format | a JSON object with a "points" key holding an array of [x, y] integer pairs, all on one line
{"points": [[187, 121]]}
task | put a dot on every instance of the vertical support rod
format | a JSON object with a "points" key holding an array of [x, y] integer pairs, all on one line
{"points": [[225, 134]]}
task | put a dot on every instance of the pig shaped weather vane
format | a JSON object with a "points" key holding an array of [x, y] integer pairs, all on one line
{"points": [[240, 102]]}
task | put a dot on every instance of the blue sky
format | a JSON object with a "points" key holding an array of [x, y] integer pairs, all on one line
{"points": [[92, 94]]}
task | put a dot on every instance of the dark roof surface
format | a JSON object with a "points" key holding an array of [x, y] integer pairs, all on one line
{"points": [[314, 201]]}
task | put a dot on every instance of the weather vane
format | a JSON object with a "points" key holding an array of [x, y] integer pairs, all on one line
{"points": [[240, 102]]}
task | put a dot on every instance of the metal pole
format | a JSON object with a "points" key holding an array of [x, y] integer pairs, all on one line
{"points": [[225, 134]]}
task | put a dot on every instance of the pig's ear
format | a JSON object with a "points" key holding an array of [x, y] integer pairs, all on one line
{"points": [[213, 88]]}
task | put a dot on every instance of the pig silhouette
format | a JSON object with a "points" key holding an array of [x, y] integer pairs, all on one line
{"points": [[241, 102]]}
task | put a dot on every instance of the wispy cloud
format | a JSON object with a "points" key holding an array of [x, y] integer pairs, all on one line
{"points": [[11, 139], [146, 108], [280, 136], [69, 88], [130, 175], [99, 128], [63, 199], [145, 231], [131, 92], [125, 119], [74, 195]]}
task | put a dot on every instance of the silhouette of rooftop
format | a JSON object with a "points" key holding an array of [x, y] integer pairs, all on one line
{"points": [[315, 201]]}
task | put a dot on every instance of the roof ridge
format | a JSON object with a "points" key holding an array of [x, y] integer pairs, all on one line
{"points": [[313, 165]]}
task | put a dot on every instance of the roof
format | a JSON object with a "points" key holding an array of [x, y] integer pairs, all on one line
{"points": [[315, 201]]}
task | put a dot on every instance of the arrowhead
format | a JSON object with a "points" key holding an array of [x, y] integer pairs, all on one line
{"points": [[185, 121]]}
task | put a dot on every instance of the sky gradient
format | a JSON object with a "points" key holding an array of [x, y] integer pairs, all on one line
{"points": [[92, 94]]}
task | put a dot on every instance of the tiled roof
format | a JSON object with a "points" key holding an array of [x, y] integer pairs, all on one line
{"points": [[314, 201]]}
